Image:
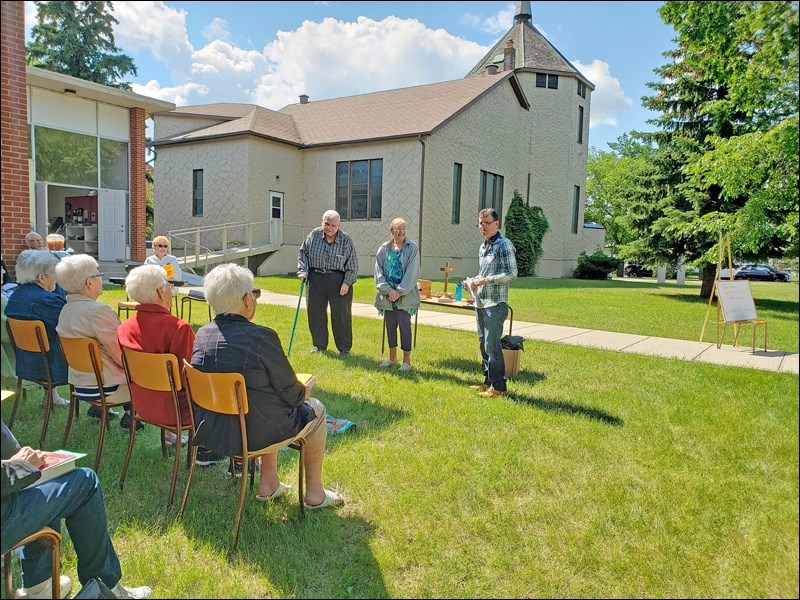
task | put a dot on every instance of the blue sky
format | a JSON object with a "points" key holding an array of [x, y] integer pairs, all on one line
{"points": [[268, 53]]}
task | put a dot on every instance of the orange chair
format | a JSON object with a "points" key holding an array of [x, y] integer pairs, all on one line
{"points": [[83, 354], [49, 537], [157, 373], [226, 393], [31, 336]]}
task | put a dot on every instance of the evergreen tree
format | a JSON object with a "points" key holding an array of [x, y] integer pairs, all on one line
{"points": [[525, 226], [77, 39]]}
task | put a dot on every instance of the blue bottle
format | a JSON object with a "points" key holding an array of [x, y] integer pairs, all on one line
{"points": [[458, 292]]}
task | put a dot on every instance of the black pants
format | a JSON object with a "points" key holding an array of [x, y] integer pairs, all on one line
{"points": [[398, 318], [323, 291]]}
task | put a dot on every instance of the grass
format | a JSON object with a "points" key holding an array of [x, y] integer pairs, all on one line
{"points": [[602, 474]]}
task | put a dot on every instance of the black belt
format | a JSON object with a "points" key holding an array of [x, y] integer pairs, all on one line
{"points": [[325, 271]]}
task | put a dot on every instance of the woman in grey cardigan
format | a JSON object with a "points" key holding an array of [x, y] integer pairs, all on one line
{"points": [[396, 273]]}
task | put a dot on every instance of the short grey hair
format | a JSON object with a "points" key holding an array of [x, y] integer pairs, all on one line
{"points": [[142, 283], [225, 287], [331, 214], [73, 271], [32, 263]]}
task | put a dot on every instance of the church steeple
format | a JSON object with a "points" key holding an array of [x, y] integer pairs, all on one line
{"points": [[523, 14]]}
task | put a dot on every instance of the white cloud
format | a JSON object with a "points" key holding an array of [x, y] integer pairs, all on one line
{"points": [[500, 22], [217, 30], [608, 99], [178, 95]]}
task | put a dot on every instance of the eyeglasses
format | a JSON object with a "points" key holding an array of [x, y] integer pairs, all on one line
{"points": [[485, 223], [161, 246], [93, 276], [255, 293]]}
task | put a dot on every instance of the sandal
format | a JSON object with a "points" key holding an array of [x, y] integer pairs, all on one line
{"points": [[282, 489], [332, 499]]}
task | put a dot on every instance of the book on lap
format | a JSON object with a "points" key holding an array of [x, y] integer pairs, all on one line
{"points": [[307, 379], [56, 464]]}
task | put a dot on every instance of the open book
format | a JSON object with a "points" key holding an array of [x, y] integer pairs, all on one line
{"points": [[307, 379], [56, 464]]}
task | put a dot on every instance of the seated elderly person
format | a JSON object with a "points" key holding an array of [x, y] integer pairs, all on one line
{"points": [[35, 299], [281, 408], [85, 317], [154, 329]]}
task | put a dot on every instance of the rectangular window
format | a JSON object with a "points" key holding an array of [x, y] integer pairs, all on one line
{"points": [[113, 164], [576, 204], [490, 194], [359, 189], [581, 89], [580, 124], [455, 215], [541, 80], [552, 82], [197, 193], [65, 157]]}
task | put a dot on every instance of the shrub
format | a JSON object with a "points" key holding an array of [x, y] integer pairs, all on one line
{"points": [[596, 266], [525, 226]]}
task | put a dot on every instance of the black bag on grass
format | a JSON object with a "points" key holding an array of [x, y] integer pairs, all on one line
{"points": [[512, 342]]}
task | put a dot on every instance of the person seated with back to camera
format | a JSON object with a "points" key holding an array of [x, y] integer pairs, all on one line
{"points": [[281, 408], [155, 329], [85, 317], [35, 299], [75, 497]]}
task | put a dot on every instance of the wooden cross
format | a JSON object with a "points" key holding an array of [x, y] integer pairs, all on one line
{"points": [[447, 270]]}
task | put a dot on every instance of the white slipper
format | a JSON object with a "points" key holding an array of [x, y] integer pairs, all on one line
{"points": [[282, 489], [332, 499]]}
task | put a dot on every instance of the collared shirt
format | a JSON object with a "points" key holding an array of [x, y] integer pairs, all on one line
{"points": [[339, 255], [498, 264]]}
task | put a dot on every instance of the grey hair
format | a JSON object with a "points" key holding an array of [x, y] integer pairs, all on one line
{"points": [[331, 214], [73, 271], [226, 285], [143, 283], [32, 263]]}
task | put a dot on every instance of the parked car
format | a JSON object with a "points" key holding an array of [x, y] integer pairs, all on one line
{"points": [[761, 273], [634, 270], [726, 273]]}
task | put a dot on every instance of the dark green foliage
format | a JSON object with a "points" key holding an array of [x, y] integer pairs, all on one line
{"points": [[77, 39], [525, 226], [596, 266]]}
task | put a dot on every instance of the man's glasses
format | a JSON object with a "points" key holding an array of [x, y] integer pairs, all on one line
{"points": [[485, 223], [161, 246], [255, 293], [93, 276]]}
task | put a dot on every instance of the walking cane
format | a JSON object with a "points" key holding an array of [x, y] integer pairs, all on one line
{"points": [[296, 314]]}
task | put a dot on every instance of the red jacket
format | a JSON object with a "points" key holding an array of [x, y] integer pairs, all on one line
{"points": [[154, 329]]}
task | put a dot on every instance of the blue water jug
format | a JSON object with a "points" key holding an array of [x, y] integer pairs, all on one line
{"points": [[458, 292]]}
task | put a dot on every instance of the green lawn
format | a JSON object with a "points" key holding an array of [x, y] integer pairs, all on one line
{"points": [[602, 474]]}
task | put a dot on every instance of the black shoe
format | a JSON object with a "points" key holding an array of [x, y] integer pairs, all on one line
{"points": [[125, 422], [96, 413], [206, 457], [344, 353]]}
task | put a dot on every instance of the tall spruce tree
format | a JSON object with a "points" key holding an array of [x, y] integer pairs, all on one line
{"points": [[77, 39], [525, 226]]}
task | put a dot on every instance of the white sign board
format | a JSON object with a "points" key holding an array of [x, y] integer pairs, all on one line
{"points": [[736, 301]]}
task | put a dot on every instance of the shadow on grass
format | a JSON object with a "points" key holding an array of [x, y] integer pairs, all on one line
{"points": [[554, 406]]}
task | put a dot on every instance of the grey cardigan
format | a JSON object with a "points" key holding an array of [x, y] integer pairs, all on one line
{"points": [[408, 290]]}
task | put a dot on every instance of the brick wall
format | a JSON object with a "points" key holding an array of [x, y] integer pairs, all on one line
{"points": [[15, 192], [138, 186]]}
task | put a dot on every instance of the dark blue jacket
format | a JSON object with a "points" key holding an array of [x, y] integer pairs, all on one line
{"points": [[31, 302]]}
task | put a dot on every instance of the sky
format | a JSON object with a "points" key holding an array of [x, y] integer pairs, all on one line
{"points": [[268, 53]]}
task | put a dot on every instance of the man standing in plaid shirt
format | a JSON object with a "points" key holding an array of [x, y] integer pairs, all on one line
{"points": [[497, 268], [328, 264]]}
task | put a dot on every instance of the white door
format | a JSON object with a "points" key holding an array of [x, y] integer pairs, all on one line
{"points": [[276, 218], [111, 225]]}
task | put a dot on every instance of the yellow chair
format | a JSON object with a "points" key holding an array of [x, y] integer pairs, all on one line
{"points": [[49, 537], [31, 336], [83, 354], [225, 393], [156, 373]]}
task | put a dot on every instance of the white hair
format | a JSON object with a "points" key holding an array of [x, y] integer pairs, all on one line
{"points": [[225, 287], [331, 214], [73, 271], [142, 283], [31, 263]]}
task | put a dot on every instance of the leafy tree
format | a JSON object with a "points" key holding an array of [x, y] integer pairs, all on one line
{"points": [[525, 227], [77, 39]]}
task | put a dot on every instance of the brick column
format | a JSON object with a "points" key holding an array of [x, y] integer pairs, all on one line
{"points": [[138, 186], [15, 186]]}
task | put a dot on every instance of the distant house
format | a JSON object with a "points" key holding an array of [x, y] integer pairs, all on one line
{"points": [[432, 154]]}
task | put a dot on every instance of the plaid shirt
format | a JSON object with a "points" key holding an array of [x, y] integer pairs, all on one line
{"points": [[316, 253], [498, 264]]}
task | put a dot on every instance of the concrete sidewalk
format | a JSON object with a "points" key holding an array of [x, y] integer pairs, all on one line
{"points": [[706, 352]]}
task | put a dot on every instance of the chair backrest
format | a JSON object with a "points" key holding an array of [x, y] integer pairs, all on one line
{"points": [[152, 371], [83, 354], [217, 392], [30, 336]]}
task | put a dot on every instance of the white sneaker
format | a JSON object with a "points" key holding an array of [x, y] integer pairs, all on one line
{"points": [[45, 589], [386, 363], [58, 400], [121, 591], [405, 367]]}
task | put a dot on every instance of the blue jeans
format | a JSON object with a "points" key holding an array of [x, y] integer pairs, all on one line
{"points": [[78, 499], [490, 330]]}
